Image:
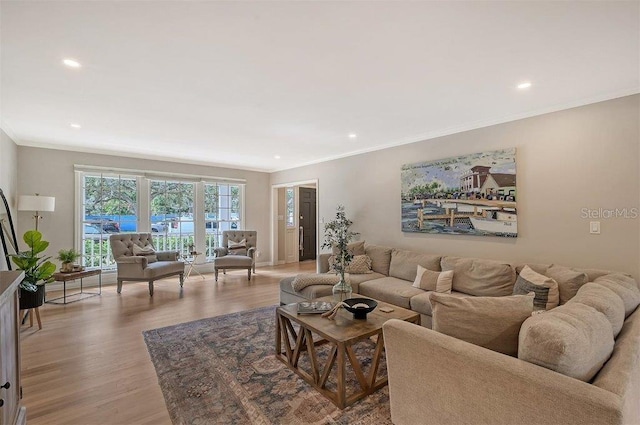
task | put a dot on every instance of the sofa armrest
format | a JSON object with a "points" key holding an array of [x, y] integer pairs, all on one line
{"points": [[251, 252], [220, 252], [322, 264], [167, 255], [450, 381]]}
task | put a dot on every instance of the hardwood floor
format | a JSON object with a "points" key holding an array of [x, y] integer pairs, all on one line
{"points": [[89, 364]]}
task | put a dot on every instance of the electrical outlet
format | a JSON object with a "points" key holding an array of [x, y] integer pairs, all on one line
{"points": [[594, 227]]}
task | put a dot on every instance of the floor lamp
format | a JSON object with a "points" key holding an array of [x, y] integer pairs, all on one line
{"points": [[36, 203]]}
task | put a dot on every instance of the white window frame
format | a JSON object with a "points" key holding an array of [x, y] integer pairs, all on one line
{"points": [[143, 179]]}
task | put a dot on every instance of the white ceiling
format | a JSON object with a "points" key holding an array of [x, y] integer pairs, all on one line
{"points": [[235, 83]]}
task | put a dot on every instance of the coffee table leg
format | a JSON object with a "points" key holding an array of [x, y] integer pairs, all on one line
{"points": [[341, 399], [278, 335]]}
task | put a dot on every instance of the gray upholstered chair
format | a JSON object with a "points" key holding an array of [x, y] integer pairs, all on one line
{"points": [[239, 258], [143, 268]]}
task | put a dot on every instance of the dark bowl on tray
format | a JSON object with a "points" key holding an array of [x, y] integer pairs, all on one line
{"points": [[357, 307]]}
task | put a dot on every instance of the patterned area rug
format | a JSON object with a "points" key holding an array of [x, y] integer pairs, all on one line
{"points": [[223, 370]]}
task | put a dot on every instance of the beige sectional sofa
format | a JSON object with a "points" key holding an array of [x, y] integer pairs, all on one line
{"points": [[578, 363]]}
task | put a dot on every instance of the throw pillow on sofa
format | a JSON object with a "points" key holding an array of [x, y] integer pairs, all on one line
{"points": [[429, 280], [490, 322], [569, 280], [360, 264], [574, 339], [545, 288]]}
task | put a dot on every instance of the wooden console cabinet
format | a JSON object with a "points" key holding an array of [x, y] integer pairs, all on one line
{"points": [[11, 413]]}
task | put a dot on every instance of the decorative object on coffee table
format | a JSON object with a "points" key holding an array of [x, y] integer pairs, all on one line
{"points": [[360, 307], [337, 236]]}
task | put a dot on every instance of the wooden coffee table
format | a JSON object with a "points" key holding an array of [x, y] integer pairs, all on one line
{"points": [[341, 334]]}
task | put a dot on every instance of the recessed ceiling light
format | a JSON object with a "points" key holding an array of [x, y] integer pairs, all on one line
{"points": [[352, 135], [524, 85], [74, 125], [71, 63], [277, 156]]}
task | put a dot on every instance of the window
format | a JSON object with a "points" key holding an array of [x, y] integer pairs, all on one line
{"points": [[172, 215], [109, 205], [290, 208], [181, 211], [222, 211]]}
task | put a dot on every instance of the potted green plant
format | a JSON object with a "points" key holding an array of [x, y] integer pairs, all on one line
{"points": [[337, 237], [38, 270], [67, 257]]}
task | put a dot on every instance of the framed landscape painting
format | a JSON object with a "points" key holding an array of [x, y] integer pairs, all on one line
{"points": [[463, 195]]}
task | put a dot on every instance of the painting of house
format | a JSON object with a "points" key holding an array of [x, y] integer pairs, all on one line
{"points": [[472, 194]]}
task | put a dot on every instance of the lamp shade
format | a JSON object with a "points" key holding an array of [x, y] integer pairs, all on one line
{"points": [[36, 203]]}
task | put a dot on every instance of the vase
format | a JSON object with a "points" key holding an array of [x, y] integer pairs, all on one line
{"points": [[66, 267], [342, 290]]}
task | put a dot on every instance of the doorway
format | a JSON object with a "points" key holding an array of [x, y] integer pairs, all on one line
{"points": [[307, 236], [295, 226]]}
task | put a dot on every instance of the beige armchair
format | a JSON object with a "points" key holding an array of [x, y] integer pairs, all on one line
{"points": [[228, 257], [139, 267]]}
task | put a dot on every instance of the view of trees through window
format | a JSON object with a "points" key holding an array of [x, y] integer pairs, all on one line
{"points": [[111, 204], [172, 215], [221, 212]]}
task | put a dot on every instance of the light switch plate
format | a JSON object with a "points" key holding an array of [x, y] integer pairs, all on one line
{"points": [[594, 227]]}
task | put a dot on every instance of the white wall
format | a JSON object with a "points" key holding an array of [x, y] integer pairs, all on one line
{"points": [[586, 157], [51, 173], [8, 181]]}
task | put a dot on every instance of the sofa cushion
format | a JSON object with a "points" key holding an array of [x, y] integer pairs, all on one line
{"points": [[360, 264], [592, 274], [391, 290], [404, 263], [356, 248], [569, 279], [356, 279], [626, 288], [421, 303], [605, 301], [380, 258], [428, 280], [484, 278], [574, 339], [490, 322], [545, 288]]}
